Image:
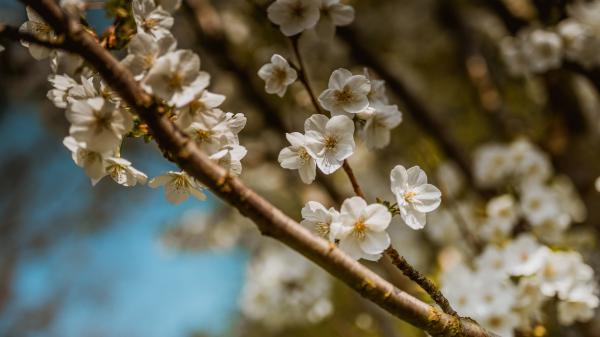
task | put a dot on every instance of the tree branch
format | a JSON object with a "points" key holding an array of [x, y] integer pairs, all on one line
{"points": [[426, 284], [270, 220]]}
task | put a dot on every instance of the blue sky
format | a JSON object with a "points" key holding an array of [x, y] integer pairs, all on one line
{"points": [[115, 280]]}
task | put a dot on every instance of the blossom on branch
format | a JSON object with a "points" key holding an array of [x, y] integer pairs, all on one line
{"points": [[329, 141], [415, 197], [178, 186], [278, 75], [294, 16], [361, 229], [296, 157], [346, 94]]}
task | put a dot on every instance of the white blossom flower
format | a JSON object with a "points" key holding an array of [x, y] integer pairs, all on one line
{"points": [[544, 49], [39, 28], [503, 208], [123, 173], [361, 229], [61, 84], [561, 271], [151, 19], [143, 51], [319, 219], [178, 186], [580, 43], [579, 305], [539, 203], [492, 260], [294, 16], [92, 162], [333, 13], [491, 164], [377, 93], [230, 158], [524, 255], [201, 104], [296, 157], [284, 289], [415, 197], [528, 163], [379, 121], [516, 60], [502, 324], [98, 123], [278, 75], [176, 78], [346, 93], [586, 12], [329, 141], [214, 129]]}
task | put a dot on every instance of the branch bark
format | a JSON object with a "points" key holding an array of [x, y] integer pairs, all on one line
{"points": [[269, 220]]}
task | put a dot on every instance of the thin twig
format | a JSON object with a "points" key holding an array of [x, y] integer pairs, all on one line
{"points": [[303, 73], [425, 283], [355, 186]]}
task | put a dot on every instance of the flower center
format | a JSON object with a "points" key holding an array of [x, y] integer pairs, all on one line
{"points": [[279, 75], [103, 121], [181, 183], [196, 105], [176, 80], [298, 10], [148, 61], [303, 155], [409, 195], [360, 229], [149, 23], [344, 95], [203, 135], [322, 229], [330, 142]]}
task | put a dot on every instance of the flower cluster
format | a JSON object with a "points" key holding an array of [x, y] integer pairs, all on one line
{"points": [[520, 269], [327, 142], [100, 120], [547, 204], [576, 38], [510, 284], [295, 16], [360, 229], [284, 289]]}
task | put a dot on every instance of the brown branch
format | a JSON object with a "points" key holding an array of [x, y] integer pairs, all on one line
{"points": [[303, 73], [355, 186], [425, 283], [270, 220]]}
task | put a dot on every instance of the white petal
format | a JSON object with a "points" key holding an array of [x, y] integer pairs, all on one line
{"points": [[375, 242]]}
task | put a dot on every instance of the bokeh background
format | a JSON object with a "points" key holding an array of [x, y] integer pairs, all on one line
{"points": [[77, 260]]}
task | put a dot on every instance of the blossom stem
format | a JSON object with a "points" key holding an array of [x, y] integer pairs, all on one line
{"points": [[425, 283], [355, 186], [303, 74]]}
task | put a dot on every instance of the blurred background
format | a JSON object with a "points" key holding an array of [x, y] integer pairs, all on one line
{"points": [[77, 260]]}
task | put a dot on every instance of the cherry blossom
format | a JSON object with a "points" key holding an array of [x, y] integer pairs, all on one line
{"points": [[278, 75]]}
